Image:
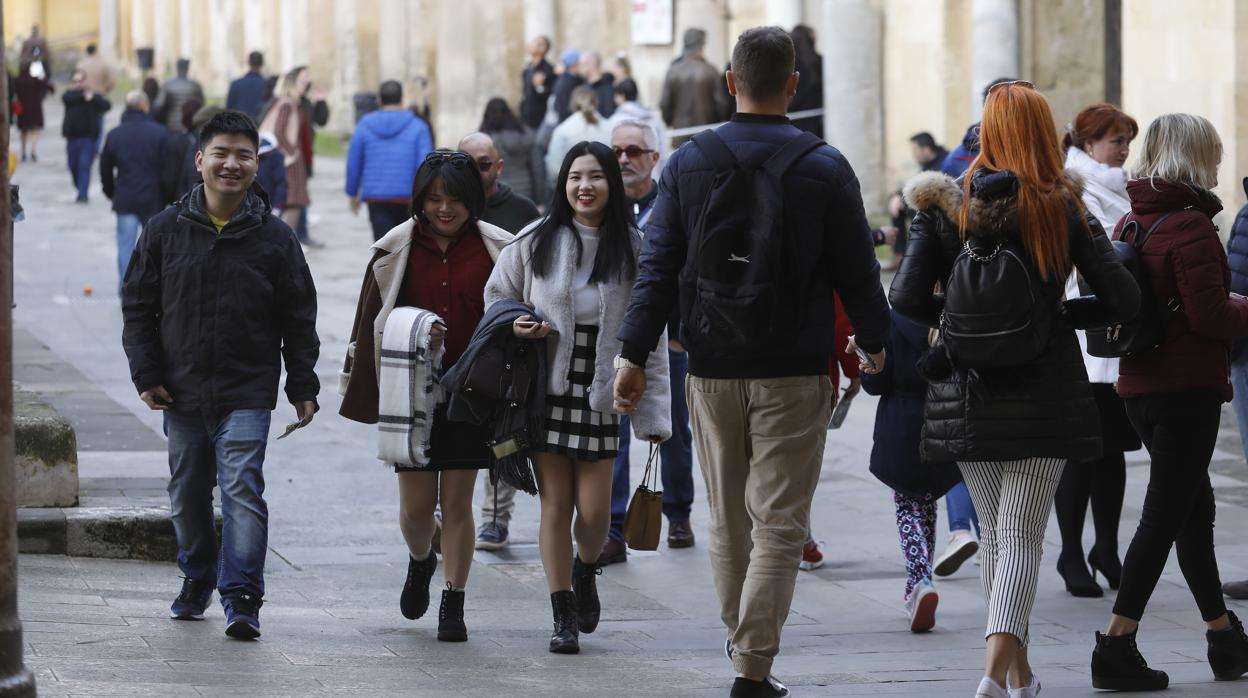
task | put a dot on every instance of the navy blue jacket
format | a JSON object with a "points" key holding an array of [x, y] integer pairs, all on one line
{"points": [[961, 157], [895, 459], [822, 201], [247, 94], [1237, 250], [130, 165]]}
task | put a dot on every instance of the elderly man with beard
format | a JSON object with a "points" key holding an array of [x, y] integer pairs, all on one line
{"points": [[636, 146]]}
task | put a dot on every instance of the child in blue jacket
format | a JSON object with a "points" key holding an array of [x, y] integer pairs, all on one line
{"points": [[917, 487]]}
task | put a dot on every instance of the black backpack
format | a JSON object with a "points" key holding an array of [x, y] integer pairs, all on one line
{"points": [[1147, 329], [997, 311], [739, 286]]}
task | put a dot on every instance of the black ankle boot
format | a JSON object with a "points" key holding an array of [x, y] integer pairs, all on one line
{"points": [[451, 626], [1079, 581], [415, 598], [585, 586], [566, 638], [1117, 665], [1228, 650]]}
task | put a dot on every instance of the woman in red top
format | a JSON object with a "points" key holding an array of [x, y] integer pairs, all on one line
{"points": [[1174, 397], [438, 260]]}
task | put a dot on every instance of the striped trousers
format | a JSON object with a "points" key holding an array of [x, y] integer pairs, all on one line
{"points": [[1012, 499]]}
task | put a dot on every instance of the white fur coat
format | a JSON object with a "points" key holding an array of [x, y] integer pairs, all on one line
{"points": [[551, 298]]}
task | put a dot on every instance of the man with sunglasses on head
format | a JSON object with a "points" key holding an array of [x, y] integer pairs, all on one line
{"points": [[503, 207], [636, 147], [386, 150]]}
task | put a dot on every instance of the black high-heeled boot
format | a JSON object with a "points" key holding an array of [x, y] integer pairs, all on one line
{"points": [[451, 626], [1117, 665], [585, 586], [1228, 650], [1109, 566], [566, 638], [1079, 581]]}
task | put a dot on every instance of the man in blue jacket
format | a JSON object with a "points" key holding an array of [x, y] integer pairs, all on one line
{"points": [[759, 411], [247, 93], [386, 150], [130, 174]]}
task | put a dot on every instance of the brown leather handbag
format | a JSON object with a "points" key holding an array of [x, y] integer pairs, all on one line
{"points": [[644, 519]]}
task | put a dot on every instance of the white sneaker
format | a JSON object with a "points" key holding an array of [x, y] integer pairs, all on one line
{"points": [[962, 545], [921, 605], [990, 689], [1030, 691]]}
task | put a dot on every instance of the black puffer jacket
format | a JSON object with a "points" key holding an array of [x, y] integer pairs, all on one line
{"points": [[1043, 408], [211, 315]]}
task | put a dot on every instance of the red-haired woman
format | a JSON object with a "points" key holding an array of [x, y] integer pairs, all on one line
{"points": [[1097, 144], [1011, 428]]}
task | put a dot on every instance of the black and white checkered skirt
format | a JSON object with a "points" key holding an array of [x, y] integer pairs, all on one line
{"points": [[573, 429]]}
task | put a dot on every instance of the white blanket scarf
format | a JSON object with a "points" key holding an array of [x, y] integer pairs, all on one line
{"points": [[408, 387]]}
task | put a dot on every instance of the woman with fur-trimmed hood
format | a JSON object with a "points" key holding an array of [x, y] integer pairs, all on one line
{"points": [[1011, 428]]}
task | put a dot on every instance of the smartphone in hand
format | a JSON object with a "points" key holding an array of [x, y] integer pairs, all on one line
{"points": [[862, 354]]}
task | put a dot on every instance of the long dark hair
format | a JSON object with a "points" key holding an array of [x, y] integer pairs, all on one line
{"points": [[499, 117], [615, 259]]}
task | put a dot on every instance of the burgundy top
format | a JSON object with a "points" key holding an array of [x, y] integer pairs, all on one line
{"points": [[450, 283], [1185, 262]]}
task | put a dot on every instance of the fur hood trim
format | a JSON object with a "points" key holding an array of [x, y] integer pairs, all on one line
{"points": [[987, 217]]}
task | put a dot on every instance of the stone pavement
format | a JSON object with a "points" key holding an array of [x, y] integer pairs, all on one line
{"points": [[331, 622]]}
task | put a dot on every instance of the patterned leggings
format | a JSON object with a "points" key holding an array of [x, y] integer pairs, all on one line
{"points": [[916, 527]]}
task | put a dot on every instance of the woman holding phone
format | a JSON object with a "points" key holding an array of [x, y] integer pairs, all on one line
{"points": [[576, 267], [439, 260]]}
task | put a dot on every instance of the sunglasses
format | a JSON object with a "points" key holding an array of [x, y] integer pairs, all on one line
{"points": [[454, 157], [632, 151], [1023, 83]]}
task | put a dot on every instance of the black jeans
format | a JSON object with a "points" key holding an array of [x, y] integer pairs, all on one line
{"points": [[1179, 431], [384, 215]]}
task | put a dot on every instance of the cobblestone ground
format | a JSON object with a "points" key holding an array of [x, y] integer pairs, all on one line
{"points": [[337, 563]]}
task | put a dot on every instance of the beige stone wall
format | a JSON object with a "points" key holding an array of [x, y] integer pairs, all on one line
{"points": [[1178, 60], [1064, 53]]}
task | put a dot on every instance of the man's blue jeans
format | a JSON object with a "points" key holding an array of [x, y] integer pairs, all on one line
{"points": [[229, 452], [81, 154], [676, 456], [1239, 383], [961, 510], [127, 235]]}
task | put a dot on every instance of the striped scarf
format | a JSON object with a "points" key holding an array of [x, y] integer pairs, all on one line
{"points": [[408, 386]]}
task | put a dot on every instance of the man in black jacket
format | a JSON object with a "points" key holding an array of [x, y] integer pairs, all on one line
{"points": [[503, 207], [537, 80], [130, 174], [81, 129], [216, 295], [759, 415]]}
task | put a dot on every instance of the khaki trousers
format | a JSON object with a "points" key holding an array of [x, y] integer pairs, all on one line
{"points": [[760, 446]]}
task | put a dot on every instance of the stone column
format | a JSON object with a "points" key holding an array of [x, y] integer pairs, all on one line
{"points": [[253, 19], [994, 46], [393, 37], [785, 14], [455, 77], [539, 18], [346, 76], [141, 16], [108, 30], [163, 15], [853, 120], [186, 29], [294, 22]]}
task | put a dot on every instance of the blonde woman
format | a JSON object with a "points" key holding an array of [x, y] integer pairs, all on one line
{"points": [[584, 124], [1174, 397], [286, 120]]}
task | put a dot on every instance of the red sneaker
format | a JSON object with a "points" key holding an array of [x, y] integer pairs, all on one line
{"points": [[812, 558]]}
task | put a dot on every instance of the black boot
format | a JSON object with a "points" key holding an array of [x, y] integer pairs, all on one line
{"points": [[1117, 665], [585, 586], [451, 626], [1228, 650], [415, 599], [1108, 564], [566, 638]]}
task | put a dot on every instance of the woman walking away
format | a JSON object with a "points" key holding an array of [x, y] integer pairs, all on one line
{"points": [[576, 267], [30, 88], [583, 124], [1174, 397], [286, 119], [1097, 145], [917, 487], [1011, 403], [437, 261]]}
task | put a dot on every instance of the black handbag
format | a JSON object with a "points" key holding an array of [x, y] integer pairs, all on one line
{"points": [[1147, 329]]}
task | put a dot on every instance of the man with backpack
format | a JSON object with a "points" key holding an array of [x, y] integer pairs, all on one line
{"points": [[754, 257]]}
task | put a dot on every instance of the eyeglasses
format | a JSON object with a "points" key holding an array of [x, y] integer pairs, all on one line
{"points": [[484, 164], [1024, 83], [454, 157], [632, 151]]}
